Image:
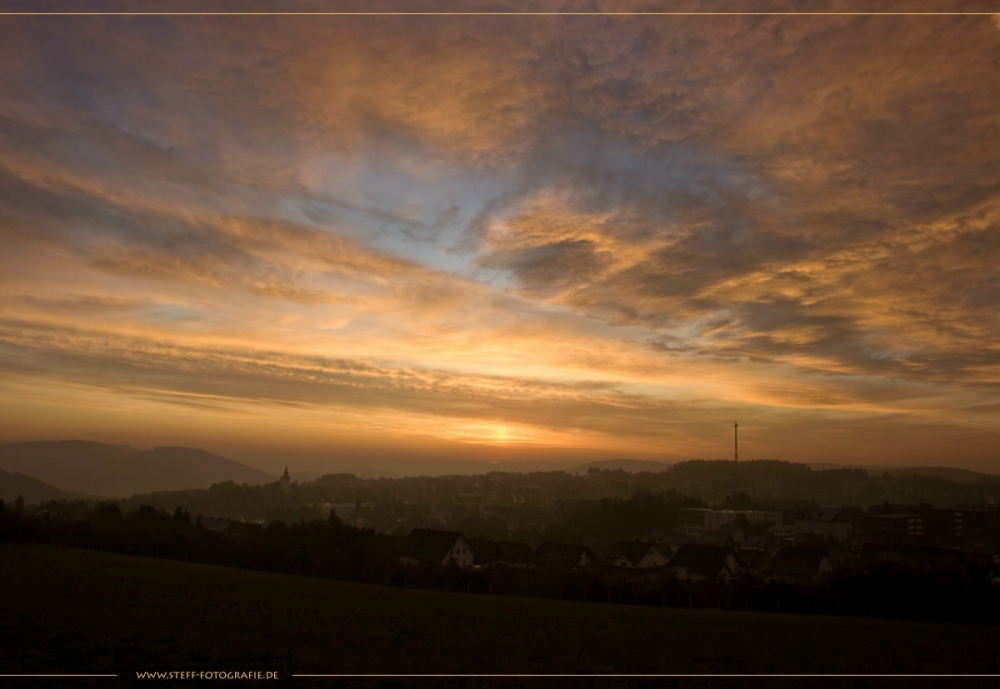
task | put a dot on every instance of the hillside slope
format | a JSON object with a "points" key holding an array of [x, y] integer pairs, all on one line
{"points": [[100, 607], [31, 489], [119, 470], [947, 473]]}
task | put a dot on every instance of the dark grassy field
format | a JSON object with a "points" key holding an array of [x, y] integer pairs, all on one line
{"points": [[66, 610]]}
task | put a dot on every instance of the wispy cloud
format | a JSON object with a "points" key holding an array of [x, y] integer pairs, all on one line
{"points": [[594, 232]]}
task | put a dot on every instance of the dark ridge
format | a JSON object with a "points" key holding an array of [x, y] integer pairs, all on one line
{"points": [[119, 470]]}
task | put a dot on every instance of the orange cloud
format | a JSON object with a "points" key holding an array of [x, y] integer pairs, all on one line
{"points": [[598, 233]]}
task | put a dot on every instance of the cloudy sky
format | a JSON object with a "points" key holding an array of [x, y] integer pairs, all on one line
{"points": [[504, 239]]}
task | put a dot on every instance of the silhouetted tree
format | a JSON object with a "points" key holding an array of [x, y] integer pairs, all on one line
{"points": [[739, 501], [181, 518]]}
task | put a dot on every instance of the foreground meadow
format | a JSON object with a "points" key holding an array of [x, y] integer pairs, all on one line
{"points": [[68, 610]]}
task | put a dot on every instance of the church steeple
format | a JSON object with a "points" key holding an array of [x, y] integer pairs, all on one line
{"points": [[286, 481]]}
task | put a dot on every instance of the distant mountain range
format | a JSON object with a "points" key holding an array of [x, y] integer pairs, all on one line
{"points": [[73, 469], [632, 466], [635, 466], [117, 471], [947, 473]]}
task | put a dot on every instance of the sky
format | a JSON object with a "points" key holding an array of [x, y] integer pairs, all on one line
{"points": [[504, 241]]}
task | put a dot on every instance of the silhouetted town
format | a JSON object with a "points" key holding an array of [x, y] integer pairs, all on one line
{"points": [[703, 534]]}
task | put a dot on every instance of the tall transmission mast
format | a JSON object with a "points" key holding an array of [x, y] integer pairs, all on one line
{"points": [[736, 441]]}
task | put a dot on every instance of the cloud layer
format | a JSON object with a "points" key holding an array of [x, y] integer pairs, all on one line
{"points": [[609, 234]]}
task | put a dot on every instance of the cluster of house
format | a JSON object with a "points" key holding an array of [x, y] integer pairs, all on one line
{"points": [[966, 529], [632, 560], [721, 545]]}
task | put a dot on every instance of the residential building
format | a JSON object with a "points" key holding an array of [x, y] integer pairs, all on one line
{"points": [[760, 517], [636, 554], [956, 525], [699, 562], [921, 558], [922, 523], [564, 556], [433, 547], [895, 528], [825, 521], [800, 564], [494, 554], [705, 518]]}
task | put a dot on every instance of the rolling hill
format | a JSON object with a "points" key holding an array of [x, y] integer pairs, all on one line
{"points": [[99, 607], [947, 473], [31, 489], [119, 470], [956, 474]]}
